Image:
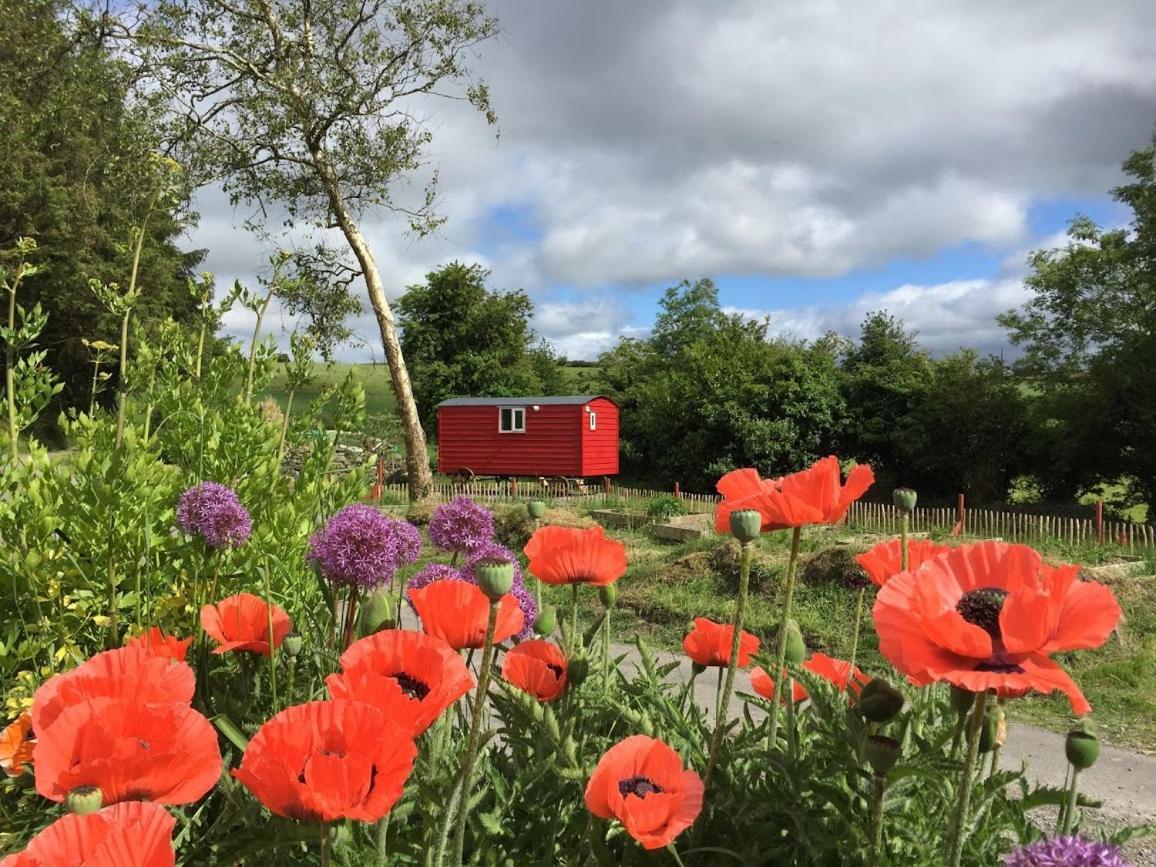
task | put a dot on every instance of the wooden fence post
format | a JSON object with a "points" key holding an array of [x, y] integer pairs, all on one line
{"points": [[606, 484], [677, 492], [958, 529], [1099, 522]]}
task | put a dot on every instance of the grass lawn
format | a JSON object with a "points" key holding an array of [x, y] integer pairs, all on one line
{"points": [[667, 586], [379, 397]]}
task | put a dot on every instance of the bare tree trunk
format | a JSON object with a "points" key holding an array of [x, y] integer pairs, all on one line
{"points": [[418, 475]]}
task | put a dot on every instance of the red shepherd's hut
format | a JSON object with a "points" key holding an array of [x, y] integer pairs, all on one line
{"points": [[573, 436]]}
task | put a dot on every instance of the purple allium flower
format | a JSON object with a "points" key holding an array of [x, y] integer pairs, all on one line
{"points": [[361, 546], [529, 606], [213, 512], [461, 525], [433, 572], [1067, 852]]}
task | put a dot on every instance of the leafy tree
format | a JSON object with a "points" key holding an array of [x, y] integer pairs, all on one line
{"points": [[78, 174], [464, 340], [1089, 334], [310, 105]]}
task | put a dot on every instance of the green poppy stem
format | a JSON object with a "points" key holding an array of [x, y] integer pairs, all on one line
{"points": [[269, 623], [326, 845], [858, 626], [575, 639], [963, 801], [781, 651], [476, 733], [1064, 806], [904, 520], [877, 820], [1069, 816], [736, 639], [606, 653], [383, 841]]}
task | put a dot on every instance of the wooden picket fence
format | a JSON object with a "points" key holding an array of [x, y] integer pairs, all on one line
{"points": [[863, 516], [1012, 526]]}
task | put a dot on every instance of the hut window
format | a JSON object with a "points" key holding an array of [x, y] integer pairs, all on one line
{"points": [[511, 419], [593, 421]]}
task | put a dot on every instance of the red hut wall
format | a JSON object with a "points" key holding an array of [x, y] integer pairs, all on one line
{"points": [[600, 446], [551, 445]]}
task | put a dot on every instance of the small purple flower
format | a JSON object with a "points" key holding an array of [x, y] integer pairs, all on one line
{"points": [[433, 572], [1067, 852], [490, 551], [361, 546], [529, 606], [213, 512], [461, 525]]}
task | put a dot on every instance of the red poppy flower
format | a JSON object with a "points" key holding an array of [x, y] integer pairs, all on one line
{"points": [[132, 834], [641, 783], [836, 671], [568, 555], [154, 752], [241, 623], [328, 760], [813, 496], [537, 667], [411, 676], [709, 643], [16, 743], [988, 616], [129, 673], [884, 561], [457, 612], [159, 644]]}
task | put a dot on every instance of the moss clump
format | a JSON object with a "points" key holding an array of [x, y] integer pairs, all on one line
{"points": [[834, 566]]}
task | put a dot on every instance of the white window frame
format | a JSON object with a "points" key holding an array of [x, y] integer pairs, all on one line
{"points": [[516, 412], [593, 420]]}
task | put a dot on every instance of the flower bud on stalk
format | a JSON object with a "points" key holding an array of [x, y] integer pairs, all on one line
{"points": [[291, 646], [880, 702], [577, 670], [796, 646], [378, 611], [882, 753], [495, 577], [746, 525], [1082, 747], [536, 509], [608, 595], [84, 800], [904, 499], [547, 621], [989, 731]]}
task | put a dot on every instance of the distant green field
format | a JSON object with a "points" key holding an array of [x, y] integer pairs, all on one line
{"points": [[374, 379]]}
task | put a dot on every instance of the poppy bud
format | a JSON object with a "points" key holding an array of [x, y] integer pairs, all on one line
{"points": [[291, 646], [962, 699], [577, 670], [378, 612], [495, 577], [1082, 747], [697, 667], [608, 595], [796, 646], [84, 800], [746, 524], [880, 701], [536, 509], [904, 499], [882, 753], [547, 620], [989, 731]]}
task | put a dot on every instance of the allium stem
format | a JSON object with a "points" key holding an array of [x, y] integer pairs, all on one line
{"points": [[877, 820], [858, 626], [728, 689], [963, 800], [475, 734], [781, 650]]}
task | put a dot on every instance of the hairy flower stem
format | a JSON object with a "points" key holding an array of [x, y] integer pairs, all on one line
{"points": [[687, 690], [10, 369], [963, 801], [383, 841], [1064, 806], [475, 734], [575, 638], [605, 653], [728, 689], [877, 820], [858, 624], [326, 845], [272, 647], [781, 650], [1069, 814], [284, 427], [903, 525]]}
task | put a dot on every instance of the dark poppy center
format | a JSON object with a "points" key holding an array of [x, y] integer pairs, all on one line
{"points": [[411, 686], [557, 669], [1000, 665], [982, 607], [639, 786]]}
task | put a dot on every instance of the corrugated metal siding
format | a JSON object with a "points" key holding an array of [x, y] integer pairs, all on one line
{"points": [[468, 437], [600, 446]]}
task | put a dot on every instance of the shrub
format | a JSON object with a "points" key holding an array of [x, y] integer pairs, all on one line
{"points": [[834, 565], [665, 506]]}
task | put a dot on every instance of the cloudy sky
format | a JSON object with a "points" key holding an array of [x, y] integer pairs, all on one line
{"points": [[819, 160]]}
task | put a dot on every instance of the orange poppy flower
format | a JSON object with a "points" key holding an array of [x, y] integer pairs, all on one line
{"points": [[129, 673], [641, 783], [709, 643], [836, 671], [411, 676], [154, 752], [328, 760], [813, 496], [159, 644], [884, 561], [457, 612], [241, 623], [988, 616], [538, 667], [132, 834], [16, 743], [568, 555]]}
